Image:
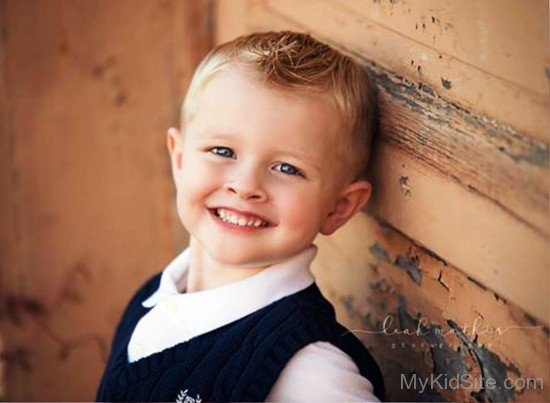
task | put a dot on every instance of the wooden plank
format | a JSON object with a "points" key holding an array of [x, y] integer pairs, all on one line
{"points": [[471, 232], [474, 33], [459, 81], [384, 284], [93, 87], [484, 156]]}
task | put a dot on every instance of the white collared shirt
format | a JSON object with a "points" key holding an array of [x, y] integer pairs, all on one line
{"points": [[318, 371]]}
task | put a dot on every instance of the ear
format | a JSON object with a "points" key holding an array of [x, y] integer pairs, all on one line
{"points": [[354, 197], [174, 144]]}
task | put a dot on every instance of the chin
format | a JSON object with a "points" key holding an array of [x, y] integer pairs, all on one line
{"points": [[236, 258]]}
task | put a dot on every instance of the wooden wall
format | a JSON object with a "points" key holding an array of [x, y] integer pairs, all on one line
{"points": [[454, 246], [88, 91]]}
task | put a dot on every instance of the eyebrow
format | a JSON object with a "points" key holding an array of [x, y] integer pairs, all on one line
{"points": [[215, 136]]}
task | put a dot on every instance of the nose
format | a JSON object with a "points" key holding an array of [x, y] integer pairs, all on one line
{"points": [[246, 185]]}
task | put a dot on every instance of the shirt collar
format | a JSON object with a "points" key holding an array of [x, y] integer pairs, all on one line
{"points": [[229, 302]]}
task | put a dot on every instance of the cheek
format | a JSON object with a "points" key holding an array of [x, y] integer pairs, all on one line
{"points": [[195, 184], [197, 181], [299, 208]]}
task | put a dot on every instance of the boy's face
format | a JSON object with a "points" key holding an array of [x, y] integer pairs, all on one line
{"points": [[270, 154]]}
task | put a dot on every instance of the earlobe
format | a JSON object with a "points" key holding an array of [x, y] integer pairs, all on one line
{"points": [[352, 199]]}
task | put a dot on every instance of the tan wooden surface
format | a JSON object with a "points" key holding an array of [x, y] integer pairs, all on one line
{"points": [[90, 89], [373, 274]]}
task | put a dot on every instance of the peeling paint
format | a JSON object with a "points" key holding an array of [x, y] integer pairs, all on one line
{"points": [[536, 155], [418, 337], [347, 302], [426, 89], [446, 83], [440, 281], [452, 362], [367, 321], [379, 253], [404, 185], [523, 148], [491, 366], [446, 360], [410, 265], [380, 285], [352, 312]]}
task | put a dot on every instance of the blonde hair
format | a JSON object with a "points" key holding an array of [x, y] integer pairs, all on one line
{"points": [[297, 62]]}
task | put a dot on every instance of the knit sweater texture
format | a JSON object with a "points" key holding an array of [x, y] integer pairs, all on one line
{"points": [[237, 362]]}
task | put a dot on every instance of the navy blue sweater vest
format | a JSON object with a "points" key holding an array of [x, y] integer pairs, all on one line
{"points": [[238, 362]]}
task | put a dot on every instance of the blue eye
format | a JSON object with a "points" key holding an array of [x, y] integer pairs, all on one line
{"points": [[289, 169], [222, 151]]}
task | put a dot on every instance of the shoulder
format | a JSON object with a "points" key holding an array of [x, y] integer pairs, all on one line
{"points": [[312, 331], [321, 372], [300, 335]]}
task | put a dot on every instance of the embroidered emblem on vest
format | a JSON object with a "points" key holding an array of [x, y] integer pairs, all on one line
{"points": [[183, 398]]}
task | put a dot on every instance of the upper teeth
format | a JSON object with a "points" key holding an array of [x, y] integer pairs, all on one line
{"points": [[233, 218]]}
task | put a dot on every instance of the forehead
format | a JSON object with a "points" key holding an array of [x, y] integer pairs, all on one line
{"points": [[234, 102]]}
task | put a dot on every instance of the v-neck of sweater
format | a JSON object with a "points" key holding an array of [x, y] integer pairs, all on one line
{"points": [[129, 373], [175, 316]]}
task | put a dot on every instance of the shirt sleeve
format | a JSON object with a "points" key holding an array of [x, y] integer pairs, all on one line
{"points": [[321, 372]]}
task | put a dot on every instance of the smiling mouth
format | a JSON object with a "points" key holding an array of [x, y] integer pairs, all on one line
{"points": [[238, 220]]}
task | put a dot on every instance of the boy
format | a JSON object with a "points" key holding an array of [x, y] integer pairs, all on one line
{"points": [[274, 141]]}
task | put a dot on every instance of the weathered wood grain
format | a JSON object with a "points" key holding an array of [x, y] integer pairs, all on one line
{"points": [[491, 159], [419, 314], [506, 81], [471, 232]]}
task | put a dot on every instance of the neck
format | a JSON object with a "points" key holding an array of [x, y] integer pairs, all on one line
{"points": [[206, 272]]}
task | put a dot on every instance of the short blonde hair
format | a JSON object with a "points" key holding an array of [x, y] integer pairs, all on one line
{"points": [[296, 61]]}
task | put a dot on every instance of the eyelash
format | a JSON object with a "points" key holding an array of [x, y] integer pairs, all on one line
{"points": [[298, 172]]}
